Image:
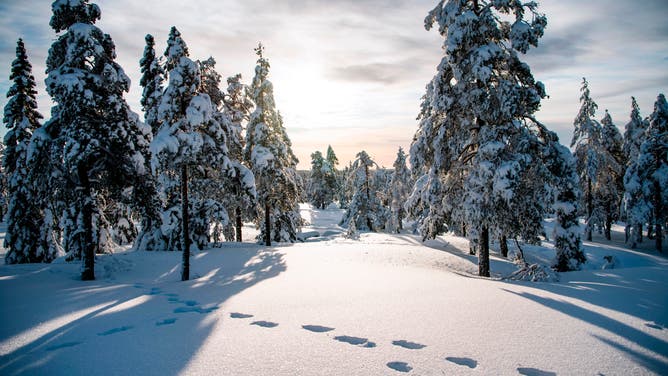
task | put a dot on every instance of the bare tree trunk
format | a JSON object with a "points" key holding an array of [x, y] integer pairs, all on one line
{"points": [[185, 218], [658, 208], [590, 210], [237, 213], [483, 253], [267, 224], [368, 198], [503, 243], [88, 252]]}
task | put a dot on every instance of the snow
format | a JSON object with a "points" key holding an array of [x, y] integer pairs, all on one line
{"points": [[383, 304]]}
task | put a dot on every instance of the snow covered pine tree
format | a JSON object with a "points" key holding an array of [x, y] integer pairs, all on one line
{"points": [[634, 135], [190, 136], [646, 180], [103, 143], [270, 157], [400, 186], [475, 118], [24, 217], [365, 211]]}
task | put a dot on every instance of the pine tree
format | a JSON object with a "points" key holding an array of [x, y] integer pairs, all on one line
{"points": [[151, 80], [610, 181], [102, 144], [244, 195], [476, 110], [270, 157], [25, 217], [646, 179], [365, 210], [189, 144], [634, 135], [318, 191], [400, 186], [588, 153]]}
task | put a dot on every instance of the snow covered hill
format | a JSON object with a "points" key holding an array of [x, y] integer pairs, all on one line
{"points": [[380, 305]]}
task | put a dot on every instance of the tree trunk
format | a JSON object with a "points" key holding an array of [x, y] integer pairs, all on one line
{"points": [[267, 224], [590, 210], [503, 242], [400, 219], [237, 213], [88, 251], [650, 227], [658, 209], [608, 226], [185, 271], [483, 253], [639, 233]]}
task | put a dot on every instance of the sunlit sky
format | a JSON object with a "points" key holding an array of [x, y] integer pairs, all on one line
{"points": [[351, 73]]}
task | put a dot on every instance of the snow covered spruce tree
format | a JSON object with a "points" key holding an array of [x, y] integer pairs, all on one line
{"points": [[400, 189], [104, 146], [589, 153], [242, 195], [478, 108], [323, 179], [364, 211], [269, 155], [610, 181], [646, 179], [25, 218], [151, 80], [634, 135], [190, 140]]}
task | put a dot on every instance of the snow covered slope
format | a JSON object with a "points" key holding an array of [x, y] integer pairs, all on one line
{"points": [[383, 305]]}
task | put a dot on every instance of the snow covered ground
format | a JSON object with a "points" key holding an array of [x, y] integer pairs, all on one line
{"points": [[382, 305]]}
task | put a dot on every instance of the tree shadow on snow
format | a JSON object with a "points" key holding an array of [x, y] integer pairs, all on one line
{"points": [[634, 335], [154, 326]]}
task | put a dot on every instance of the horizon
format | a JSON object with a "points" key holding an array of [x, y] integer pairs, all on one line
{"points": [[350, 74]]}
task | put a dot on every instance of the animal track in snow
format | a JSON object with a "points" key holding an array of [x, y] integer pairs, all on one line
{"points": [[317, 328], [400, 366], [265, 324], [115, 330], [468, 362], [63, 345], [653, 326], [166, 322], [356, 341], [237, 315], [409, 345], [527, 371]]}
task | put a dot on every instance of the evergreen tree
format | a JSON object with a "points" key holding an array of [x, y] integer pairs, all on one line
{"points": [[210, 82], [25, 218], [103, 145], [634, 135], [190, 141], [365, 210], [588, 153], [151, 80], [400, 186], [318, 189], [476, 111], [270, 157], [646, 179], [243, 197], [610, 181]]}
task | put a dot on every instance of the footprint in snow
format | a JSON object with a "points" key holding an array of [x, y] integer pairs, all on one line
{"points": [[468, 362], [526, 371], [653, 326], [166, 322], [409, 345], [400, 366], [265, 324], [63, 345], [317, 328], [154, 291], [115, 330], [237, 315], [356, 341]]}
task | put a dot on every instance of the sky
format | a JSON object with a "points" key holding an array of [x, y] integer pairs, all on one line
{"points": [[350, 73]]}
